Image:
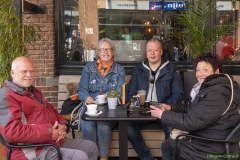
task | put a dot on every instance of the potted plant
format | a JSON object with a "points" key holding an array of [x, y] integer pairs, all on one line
{"points": [[112, 98], [201, 32]]}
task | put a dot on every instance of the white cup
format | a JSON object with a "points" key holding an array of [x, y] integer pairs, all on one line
{"points": [[101, 98], [92, 109]]}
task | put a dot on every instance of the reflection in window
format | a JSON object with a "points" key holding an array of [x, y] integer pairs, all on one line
{"points": [[73, 43], [130, 29], [226, 47]]}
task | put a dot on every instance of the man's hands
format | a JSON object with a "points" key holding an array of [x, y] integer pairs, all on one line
{"points": [[165, 106], [58, 131]]}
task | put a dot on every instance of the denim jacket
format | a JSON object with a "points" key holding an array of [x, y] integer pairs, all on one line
{"points": [[169, 87], [92, 83]]}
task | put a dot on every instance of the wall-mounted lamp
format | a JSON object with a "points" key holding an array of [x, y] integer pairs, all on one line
{"points": [[233, 5], [33, 8]]}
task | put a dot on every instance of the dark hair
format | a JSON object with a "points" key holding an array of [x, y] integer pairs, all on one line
{"points": [[154, 40], [213, 60]]}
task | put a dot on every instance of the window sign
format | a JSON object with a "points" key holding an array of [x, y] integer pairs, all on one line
{"points": [[127, 5], [224, 6], [168, 6], [145, 5], [89, 30]]}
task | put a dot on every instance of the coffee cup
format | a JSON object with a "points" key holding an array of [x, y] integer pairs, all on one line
{"points": [[101, 98], [142, 94], [147, 105], [92, 109], [156, 104]]}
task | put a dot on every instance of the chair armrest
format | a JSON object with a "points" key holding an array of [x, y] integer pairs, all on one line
{"points": [[72, 130], [202, 138], [39, 145]]}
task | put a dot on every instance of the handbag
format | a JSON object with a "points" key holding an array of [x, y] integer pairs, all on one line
{"points": [[70, 109], [69, 105], [175, 132]]}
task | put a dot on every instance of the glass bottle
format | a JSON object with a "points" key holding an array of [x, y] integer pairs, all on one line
{"points": [[131, 106], [136, 100]]}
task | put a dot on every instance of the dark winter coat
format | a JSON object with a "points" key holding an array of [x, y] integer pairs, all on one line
{"points": [[76, 44], [205, 118]]}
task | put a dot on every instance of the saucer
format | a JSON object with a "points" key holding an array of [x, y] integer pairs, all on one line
{"points": [[97, 114], [96, 102]]}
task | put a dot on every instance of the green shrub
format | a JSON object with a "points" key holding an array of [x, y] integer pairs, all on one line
{"points": [[12, 42]]}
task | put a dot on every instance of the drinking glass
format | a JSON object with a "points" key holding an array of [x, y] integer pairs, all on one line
{"points": [[113, 85]]}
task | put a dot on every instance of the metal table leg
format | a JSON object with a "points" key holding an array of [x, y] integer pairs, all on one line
{"points": [[123, 140]]}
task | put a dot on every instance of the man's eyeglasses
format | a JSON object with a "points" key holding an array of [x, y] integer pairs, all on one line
{"points": [[102, 50], [152, 78]]}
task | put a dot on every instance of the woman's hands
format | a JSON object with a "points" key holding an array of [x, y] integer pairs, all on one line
{"points": [[89, 100], [157, 111]]}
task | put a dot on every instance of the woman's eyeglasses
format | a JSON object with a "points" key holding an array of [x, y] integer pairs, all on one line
{"points": [[152, 78], [102, 50]]}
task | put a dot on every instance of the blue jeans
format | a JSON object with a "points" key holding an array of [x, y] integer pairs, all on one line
{"points": [[102, 129], [137, 141]]}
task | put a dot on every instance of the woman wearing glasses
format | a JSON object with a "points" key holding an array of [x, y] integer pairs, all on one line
{"points": [[162, 84], [211, 114], [97, 78]]}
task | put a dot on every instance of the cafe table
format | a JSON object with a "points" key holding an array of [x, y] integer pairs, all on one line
{"points": [[122, 115]]}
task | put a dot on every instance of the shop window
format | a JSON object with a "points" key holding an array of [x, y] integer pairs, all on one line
{"points": [[130, 29]]}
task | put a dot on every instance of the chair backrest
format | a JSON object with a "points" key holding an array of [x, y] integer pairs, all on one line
{"points": [[189, 80], [3, 140], [234, 135], [124, 92]]}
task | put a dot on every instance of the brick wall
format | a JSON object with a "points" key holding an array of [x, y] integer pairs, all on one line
{"points": [[42, 53], [88, 18], [238, 30]]}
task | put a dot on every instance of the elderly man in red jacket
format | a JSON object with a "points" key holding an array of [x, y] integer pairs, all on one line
{"points": [[27, 117]]}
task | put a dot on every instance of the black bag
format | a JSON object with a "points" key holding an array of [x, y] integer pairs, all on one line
{"points": [[69, 105]]}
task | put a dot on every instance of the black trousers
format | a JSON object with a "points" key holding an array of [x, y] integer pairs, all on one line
{"points": [[167, 150]]}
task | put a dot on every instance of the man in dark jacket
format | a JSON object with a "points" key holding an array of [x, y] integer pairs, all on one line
{"points": [[162, 84], [76, 47], [27, 117]]}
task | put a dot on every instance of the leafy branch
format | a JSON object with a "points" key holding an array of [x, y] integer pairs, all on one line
{"points": [[14, 37], [201, 32]]}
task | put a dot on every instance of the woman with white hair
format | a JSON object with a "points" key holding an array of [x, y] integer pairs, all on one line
{"points": [[95, 80]]}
